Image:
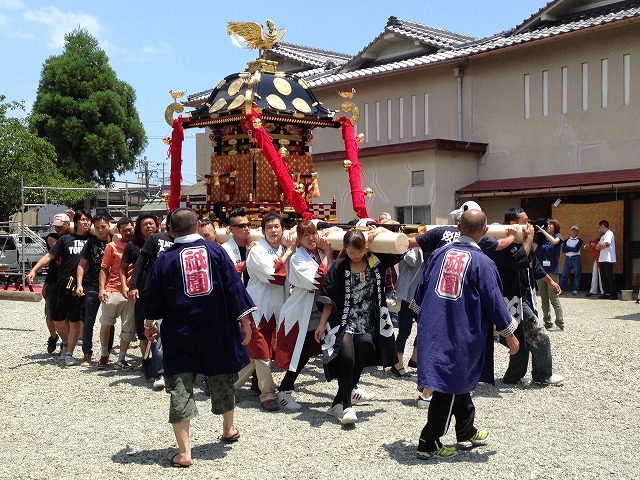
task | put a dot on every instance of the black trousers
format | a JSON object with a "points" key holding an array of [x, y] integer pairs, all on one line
{"points": [[608, 279], [443, 406]]}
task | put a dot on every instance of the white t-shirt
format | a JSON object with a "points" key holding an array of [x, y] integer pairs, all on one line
{"points": [[608, 254]]}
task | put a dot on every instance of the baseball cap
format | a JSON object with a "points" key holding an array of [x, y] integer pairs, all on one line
{"points": [[60, 219], [575, 227], [470, 205]]}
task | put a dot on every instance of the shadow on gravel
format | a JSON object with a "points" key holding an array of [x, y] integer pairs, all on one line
{"points": [[40, 359], [162, 456], [633, 317], [405, 453]]}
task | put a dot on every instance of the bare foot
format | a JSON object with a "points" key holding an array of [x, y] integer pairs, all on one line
{"points": [[181, 460]]}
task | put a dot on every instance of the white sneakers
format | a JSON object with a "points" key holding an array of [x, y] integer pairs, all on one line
{"points": [[158, 383], [524, 381], [423, 403], [349, 416], [554, 379], [346, 416], [359, 395], [286, 401], [336, 411], [69, 360]]}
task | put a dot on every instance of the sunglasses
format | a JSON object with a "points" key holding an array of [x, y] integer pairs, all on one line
{"points": [[241, 225]]}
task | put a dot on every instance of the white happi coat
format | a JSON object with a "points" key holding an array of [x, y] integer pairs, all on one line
{"points": [[232, 249], [305, 276], [267, 276]]}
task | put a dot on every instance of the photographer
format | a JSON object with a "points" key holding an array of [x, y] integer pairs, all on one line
{"points": [[549, 245]]}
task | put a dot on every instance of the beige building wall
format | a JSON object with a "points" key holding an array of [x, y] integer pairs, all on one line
{"points": [[396, 109], [399, 108], [605, 136]]}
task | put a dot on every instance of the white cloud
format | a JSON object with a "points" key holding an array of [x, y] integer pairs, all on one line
{"points": [[112, 49], [21, 35], [12, 4], [60, 23], [162, 48]]}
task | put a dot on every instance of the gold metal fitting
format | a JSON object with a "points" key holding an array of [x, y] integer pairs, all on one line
{"points": [[368, 192], [346, 164]]}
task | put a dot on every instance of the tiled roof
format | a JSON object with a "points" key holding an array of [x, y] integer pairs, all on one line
{"points": [[581, 21], [433, 36], [570, 181], [199, 188], [312, 57]]}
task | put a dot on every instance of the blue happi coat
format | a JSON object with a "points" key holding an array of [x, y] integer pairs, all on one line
{"points": [[461, 297], [199, 295]]}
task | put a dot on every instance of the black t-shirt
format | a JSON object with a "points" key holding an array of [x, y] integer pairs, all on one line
{"points": [[93, 251], [68, 249], [130, 256], [52, 272], [243, 256], [155, 245], [444, 235]]}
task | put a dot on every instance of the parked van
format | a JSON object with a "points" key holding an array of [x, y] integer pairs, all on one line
{"points": [[32, 251], [9, 254]]}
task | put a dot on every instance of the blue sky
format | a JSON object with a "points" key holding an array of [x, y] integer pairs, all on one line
{"points": [[158, 46]]}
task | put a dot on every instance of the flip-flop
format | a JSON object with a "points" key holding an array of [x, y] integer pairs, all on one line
{"points": [[233, 438], [175, 464]]}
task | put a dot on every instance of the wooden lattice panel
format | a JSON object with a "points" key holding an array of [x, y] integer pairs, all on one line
{"points": [[587, 217]]}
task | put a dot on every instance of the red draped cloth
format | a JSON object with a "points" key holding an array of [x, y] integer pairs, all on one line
{"points": [[175, 177], [265, 143], [351, 147]]}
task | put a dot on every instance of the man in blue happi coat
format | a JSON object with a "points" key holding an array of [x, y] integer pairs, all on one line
{"points": [[206, 314], [462, 299]]}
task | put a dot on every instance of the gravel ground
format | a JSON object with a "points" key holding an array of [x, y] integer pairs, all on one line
{"points": [[77, 423]]}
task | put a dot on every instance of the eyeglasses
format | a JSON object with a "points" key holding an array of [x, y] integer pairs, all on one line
{"points": [[241, 225]]}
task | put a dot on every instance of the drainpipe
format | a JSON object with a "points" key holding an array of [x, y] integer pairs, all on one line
{"points": [[458, 73]]}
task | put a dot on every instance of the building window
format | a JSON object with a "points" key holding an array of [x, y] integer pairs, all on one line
{"points": [[413, 116], [626, 74], [604, 82], [377, 121], [414, 214], [366, 123], [545, 93], [565, 89], [426, 114], [401, 119], [417, 178], [527, 97], [585, 87], [389, 136]]}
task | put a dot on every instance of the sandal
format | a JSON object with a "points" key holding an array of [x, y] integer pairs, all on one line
{"points": [[412, 363], [398, 372], [233, 438], [176, 464]]}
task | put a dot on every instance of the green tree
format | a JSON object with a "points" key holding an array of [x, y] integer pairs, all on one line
{"points": [[87, 114], [25, 155]]}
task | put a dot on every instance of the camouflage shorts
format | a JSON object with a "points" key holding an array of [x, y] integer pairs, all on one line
{"points": [[182, 406]]}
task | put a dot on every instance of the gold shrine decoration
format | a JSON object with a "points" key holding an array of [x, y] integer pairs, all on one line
{"points": [[349, 106], [175, 107], [253, 36]]}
